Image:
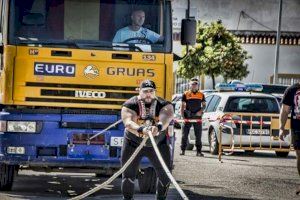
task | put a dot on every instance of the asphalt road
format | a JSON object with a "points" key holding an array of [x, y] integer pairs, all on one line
{"points": [[260, 175]]}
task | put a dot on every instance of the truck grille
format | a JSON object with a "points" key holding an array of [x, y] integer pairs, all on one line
{"points": [[76, 86], [81, 94], [70, 93], [74, 101]]}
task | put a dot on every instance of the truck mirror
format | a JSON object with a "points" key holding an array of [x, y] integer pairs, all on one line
{"points": [[188, 31]]}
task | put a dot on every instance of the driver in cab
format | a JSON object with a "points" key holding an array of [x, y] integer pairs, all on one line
{"points": [[135, 33]]}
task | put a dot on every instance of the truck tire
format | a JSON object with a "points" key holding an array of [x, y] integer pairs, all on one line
{"points": [[7, 174], [282, 154], [213, 142], [189, 145], [147, 181]]}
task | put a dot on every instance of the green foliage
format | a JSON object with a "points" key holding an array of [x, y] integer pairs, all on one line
{"points": [[217, 52]]}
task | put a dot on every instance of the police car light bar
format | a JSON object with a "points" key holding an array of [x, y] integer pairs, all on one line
{"points": [[254, 87], [239, 87]]}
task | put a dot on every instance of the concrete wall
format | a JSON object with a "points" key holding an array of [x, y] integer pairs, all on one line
{"points": [[261, 66], [263, 11]]}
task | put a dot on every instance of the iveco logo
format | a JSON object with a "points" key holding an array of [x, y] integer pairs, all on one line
{"points": [[91, 71], [90, 94], [54, 69]]}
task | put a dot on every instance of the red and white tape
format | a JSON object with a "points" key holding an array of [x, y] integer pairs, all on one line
{"points": [[248, 122], [188, 120]]}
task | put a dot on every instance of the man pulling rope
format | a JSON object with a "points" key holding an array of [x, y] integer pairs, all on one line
{"points": [[146, 107]]}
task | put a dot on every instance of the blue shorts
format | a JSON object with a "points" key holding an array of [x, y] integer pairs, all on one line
{"points": [[296, 139]]}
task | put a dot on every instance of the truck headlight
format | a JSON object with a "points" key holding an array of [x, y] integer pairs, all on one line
{"points": [[21, 126]]}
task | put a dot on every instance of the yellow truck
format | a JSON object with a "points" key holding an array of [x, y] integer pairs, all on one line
{"points": [[65, 73]]}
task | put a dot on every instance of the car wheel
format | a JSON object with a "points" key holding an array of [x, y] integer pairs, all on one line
{"points": [[7, 174], [189, 146], [213, 142], [282, 154], [147, 180]]}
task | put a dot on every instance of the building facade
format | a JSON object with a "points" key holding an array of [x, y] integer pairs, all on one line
{"points": [[255, 22]]}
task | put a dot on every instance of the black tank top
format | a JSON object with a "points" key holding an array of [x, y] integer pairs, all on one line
{"points": [[145, 112]]}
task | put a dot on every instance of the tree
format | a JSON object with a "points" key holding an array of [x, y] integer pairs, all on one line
{"points": [[217, 52]]}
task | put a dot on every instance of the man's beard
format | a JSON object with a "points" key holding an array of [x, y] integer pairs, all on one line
{"points": [[148, 100]]}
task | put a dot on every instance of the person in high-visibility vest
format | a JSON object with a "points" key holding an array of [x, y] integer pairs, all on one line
{"points": [[193, 104], [140, 114], [291, 104]]}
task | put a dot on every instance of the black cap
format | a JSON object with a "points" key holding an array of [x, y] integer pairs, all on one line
{"points": [[148, 84]]}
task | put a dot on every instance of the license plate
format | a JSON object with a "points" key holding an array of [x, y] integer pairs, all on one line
{"points": [[116, 141], [258, 131]]}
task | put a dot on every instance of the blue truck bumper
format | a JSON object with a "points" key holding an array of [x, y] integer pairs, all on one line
{"points": [[53, 143]]}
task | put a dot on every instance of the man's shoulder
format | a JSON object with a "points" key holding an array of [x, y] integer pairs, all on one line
{"points": [[294, 87], [131, 101], [186, 92], [191, 92], [162, 101], [124, 29]]}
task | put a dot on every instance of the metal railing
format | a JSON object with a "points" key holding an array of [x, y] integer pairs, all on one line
{"points": [[251, 132], [287, 79]]}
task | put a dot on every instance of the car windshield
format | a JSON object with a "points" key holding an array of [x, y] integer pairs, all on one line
{"points": [[252, 105], [129, 25]]}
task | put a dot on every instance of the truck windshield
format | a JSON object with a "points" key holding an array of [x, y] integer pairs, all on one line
{"points": [[130, 25]]}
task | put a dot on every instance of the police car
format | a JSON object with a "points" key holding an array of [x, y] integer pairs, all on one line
{"points": [[250, 120]]}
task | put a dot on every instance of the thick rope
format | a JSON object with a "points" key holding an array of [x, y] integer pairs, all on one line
{"points": [[118, 173], [104, 130], [162, 162]]}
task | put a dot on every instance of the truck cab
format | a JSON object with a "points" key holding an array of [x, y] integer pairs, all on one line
{"points": [[63, 79]]}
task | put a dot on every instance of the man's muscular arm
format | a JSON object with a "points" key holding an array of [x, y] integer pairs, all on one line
{"points": [[166, 115], [129, 118], [284, 113]]}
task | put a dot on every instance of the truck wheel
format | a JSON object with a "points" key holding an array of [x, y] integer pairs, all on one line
{"points": [[7, 174], [189, 145], [213, 142], [282, 154], [147, 180]]}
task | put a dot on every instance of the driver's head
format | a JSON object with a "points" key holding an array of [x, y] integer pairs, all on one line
{"points": [[138, 18], [147, 91]]}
